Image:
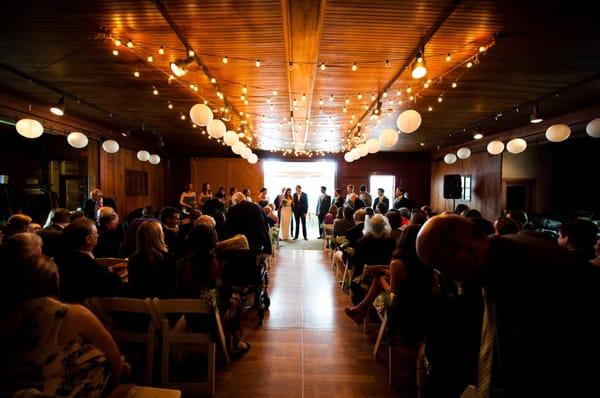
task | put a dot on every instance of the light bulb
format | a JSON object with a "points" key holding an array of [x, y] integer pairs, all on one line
{"points": [[213, 80], [191, 53], [170, 106], [454, 85], [182, 117], [155, 91], [274, 92], [257, 63], [347, 100], [130, 44], [303, 97], [322, 65], [136, 74], [354, 67], [481, 49], [430, 108], [244, 89], [161, 50], [117, 42], [359, 96], [469, 64], [440, 99], [344, 110], [387, 63], [384, 95], [115, 52], [448, 57], [225, 60], [426, 85], [478, 136], [418, 68], [150, 59], [320, 101], [331, 98]]}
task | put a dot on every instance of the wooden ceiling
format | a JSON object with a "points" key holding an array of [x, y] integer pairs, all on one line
{"points": [[534, 49]]}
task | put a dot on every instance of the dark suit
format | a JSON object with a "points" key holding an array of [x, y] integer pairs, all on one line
{"points": [[248, 219], [339, 202], [322, 209], [300, 209], [90, 207], [52, 239], [385, 201]]}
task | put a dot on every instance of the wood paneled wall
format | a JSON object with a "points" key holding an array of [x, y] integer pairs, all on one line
{"points": [[226, 172], [485, 171], [112, 180], [411, 171]]}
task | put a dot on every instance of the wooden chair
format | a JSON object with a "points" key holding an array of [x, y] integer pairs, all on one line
{"points": [[383, 314], [106, 307], [117, 265], [328, 230], [170, 337]]}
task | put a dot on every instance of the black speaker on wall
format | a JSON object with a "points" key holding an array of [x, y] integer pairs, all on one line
{"points": [[452, 186]]}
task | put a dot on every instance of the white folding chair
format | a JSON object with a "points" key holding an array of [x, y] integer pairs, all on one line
{"points": [[106, 307], [328, 235], [171, 336]]}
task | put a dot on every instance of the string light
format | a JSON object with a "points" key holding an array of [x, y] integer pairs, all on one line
{"points": [[225, 59], [354, 67], [303, 97], [257, 63], [115, 52], [347, 100], [182, 116], [117, 42], [154, 90], [150, 59], [440, 99], [213, 80], [408, 90], [387, 63], [320, 101], [322, 65], [274, 93], [478, 136], [359, 96], [130, 44], [136, 74], [244, 89], [469, 64], [454, 84], [481, 49], [161, 50], [170, 106], [448, 57], [331, 98]]}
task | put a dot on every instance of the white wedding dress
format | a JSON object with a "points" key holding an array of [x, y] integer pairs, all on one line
{"points": [[286, 219]]}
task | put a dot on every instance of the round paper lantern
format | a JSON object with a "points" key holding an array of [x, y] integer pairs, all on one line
{"points": [[409, 121], [593, 128], [246, 152], [362, 150], [230, 137], [154, 159], [516, 145], [348, 157], [354, 154], [143, 156], [237, 147], [558, 132], [388, 137], [201, 114], [110, 146], [216, 128], [463, 153], [29, 128], [450, 158], [495, 147], [373, 145], [252, 159], [77, 139]]}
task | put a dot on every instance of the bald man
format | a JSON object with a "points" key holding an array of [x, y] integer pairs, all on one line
{"points": [[542, 299]]}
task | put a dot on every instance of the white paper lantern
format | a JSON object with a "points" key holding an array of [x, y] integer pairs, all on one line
{"points": [[246, 152], [354, 154], [463, 153], [348, 157], [201, 114], [409, 121], [154, 159], [388, 137], [231, 138], [362, 150], [593, 128], [252, 159], [77, 139], [450, 158], [495, 147], [516, 145], [373, 145], [143, 156], [29, 128], [216, 128], [110, 146], [558, 132], [237, 147]]}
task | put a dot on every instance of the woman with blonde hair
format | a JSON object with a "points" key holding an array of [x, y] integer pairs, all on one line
{"points": [[152, 269]]}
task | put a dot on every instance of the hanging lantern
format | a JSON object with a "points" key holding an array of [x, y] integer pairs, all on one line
{"points": [[495, 147], [450, 158], [231, 138], [154, 159], [252, 159], [237, 147], [516, 145], [143, 156], [201, 114], [29, 128], [558, 132], [77, 140], [373, 145], [409, 121], [110, 146], [354, 153], [593, 128], [246, 152], [348, 157], [362, 150], [388, 137], [463, 153], [216, 128]]}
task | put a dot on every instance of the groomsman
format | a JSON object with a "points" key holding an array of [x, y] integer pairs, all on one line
{"points": [[300, 209], [323, 206], [381, 199]]}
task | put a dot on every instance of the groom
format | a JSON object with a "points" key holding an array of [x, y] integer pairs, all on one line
{"points": [[300, 209]]}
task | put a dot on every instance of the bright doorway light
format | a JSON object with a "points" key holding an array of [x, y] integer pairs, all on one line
{"points": [[387, 182]]}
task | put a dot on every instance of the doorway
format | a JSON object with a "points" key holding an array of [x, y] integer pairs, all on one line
{"points": [[309, 175], [519, 194]]}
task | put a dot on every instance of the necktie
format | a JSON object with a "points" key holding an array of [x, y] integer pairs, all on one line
{"points": [[486, 349]]}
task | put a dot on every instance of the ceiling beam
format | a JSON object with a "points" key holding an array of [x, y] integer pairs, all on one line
{"points": [[302, 29]]}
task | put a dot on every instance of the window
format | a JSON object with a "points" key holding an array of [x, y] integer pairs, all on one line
{"points": [[466, 187], [387, 182], [136, 183]]}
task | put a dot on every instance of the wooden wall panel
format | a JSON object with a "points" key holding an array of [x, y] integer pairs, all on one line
{"points": [[226, 172], [112, 180], [486, 182]]}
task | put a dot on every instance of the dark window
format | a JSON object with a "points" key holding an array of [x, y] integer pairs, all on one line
{"points": [[466, 187], [136, 183]]}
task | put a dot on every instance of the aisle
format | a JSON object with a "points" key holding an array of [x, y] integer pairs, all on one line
{"points": [[307, 347]]}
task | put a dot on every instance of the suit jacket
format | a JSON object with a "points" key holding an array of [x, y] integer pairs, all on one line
{"points": [[52, 239], [300, 206], [90, 208], [339, 202], [248, 219], [385, 201], [323, 205]]}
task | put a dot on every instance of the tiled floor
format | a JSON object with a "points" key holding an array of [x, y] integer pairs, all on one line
{"points": [[306, 347]]}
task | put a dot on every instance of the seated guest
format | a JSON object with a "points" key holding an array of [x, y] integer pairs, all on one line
{"points": [[110, 233], [17, 224], [57, 220], [369, 211], [355, 202], [472, 213], [22, 245], [381, 208], [262, 198], [271, 216], [129, 241], [59, 349], [52, 233], [96, 202], [169, 217], [81, 276], [460, 208], [356, 232], [505, 226], [521, 218], [383, 200], [152, 269], [215, 208], [376, 246], [485, 226], [526, 319], [248, 194], [405, 213], [34, 227], [330, 216], [395, 219], [248, 219], [75, 215], [340, 227], [418, 217], [184, 229], [339, 215], [427, 210], [579, 236]]}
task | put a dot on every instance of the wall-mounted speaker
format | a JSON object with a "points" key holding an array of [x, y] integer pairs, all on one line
{"points": [[452, 186]]}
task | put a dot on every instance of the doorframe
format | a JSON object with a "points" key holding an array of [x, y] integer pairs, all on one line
{"points": [[530, 183]]}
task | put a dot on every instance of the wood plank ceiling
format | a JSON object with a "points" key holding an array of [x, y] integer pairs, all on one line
{"points": [[305, 50]]}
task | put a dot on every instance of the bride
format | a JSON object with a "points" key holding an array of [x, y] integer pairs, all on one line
{"points": [[286, 214]]}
